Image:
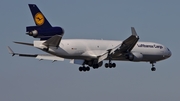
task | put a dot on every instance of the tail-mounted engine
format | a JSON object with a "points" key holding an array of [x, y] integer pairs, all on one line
{"points": [[37, 32]]}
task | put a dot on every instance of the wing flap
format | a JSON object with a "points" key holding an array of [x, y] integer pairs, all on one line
{"points": [[103, 57]]}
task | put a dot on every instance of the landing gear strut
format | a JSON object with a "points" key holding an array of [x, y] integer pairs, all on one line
{"points": [[153, 68]]}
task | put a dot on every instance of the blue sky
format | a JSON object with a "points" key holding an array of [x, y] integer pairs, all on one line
{"points": [[33, 80]]}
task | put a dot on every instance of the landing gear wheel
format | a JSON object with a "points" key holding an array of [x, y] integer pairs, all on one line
{"points": [[113, 65], [110, 65], [153, 69], [88, 68], [80, 69], [84, 69], [95, 66], [106, 65]]}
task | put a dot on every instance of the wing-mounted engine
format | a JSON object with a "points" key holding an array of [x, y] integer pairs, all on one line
{"points": [[134, 56], [43, 33]]}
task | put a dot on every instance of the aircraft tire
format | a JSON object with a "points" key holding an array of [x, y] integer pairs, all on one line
{"points": [[80, 69], [95, 66], [88, 68], [84, 69], [113, 65], [106, 65], [153, 69], [110, 65]]}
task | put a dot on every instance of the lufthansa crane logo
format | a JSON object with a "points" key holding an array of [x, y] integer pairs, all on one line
{"points": [[39, 19]]}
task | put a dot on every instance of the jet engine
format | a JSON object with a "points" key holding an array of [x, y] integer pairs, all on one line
{"points": [[134, 56], [37, 32]]}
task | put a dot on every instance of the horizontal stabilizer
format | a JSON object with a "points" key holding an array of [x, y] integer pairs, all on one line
{"points": [[24, 43], [53, 41]]}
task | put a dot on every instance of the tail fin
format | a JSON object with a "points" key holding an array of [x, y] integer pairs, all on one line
{"points": [[39, 19]]}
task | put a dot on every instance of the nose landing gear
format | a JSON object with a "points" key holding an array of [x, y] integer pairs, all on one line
{"points": [[153, 68]]}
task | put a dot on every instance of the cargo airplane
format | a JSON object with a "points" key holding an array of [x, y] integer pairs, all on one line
{"points": [[87, 52]]}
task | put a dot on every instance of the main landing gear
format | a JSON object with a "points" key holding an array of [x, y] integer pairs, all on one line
{"points": [[153, 68], [83, 68], [87, 64], [110, 65]]}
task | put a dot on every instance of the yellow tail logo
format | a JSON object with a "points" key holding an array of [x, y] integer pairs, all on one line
{"points": [[39, 19]]}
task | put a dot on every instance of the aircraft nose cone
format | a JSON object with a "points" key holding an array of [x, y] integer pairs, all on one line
{"points": [[169, 53]]}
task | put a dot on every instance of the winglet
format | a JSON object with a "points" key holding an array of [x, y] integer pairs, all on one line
{"points": [[133, 31], [11, 51]]}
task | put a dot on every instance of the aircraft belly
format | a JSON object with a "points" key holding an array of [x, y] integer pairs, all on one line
{"points": [[146, 58], [81, 49], [152, 57]]}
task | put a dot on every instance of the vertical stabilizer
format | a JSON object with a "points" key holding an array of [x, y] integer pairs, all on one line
{"points": [[39, 19]]}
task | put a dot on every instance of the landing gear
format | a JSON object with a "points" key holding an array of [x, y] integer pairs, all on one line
{"points": [[110, 65], [153, 68], [95, 66], [84, 68]]}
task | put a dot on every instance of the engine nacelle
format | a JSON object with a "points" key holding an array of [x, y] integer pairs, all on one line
{"points": [[37, 32], [134, 56]]}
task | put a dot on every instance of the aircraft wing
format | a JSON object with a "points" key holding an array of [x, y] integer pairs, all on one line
{"points": [[37, 56], [126, 46]]}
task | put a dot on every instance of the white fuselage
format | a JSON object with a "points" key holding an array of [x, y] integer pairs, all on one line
{"points": [[88, 49]]}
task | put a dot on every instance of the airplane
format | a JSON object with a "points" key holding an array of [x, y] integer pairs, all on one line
{"points": [[88, 52]]}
